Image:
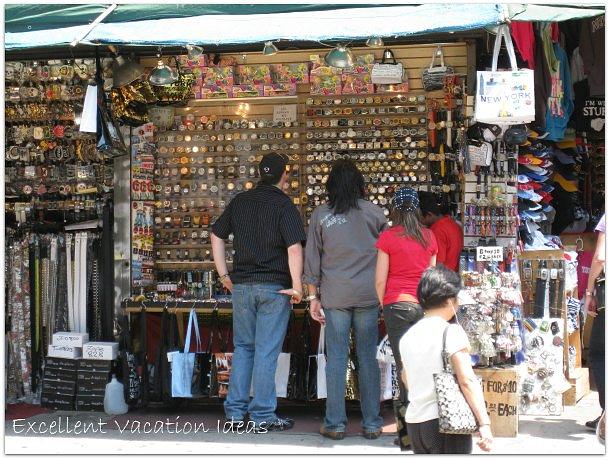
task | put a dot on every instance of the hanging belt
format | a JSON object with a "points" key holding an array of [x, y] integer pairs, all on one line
{"points": [[83, 284], [69, 290]]}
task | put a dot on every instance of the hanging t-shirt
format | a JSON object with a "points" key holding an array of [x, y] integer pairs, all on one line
{"points": [[420, 351], [561, 101], [593, 51], [523, 36]]}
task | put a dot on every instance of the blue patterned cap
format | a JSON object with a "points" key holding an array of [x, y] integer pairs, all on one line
{"points": [[406, 199]]}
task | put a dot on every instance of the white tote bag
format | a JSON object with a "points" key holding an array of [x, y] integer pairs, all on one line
{"points": [[387, 368], [321, 365], [505, 97], [282, 372]]}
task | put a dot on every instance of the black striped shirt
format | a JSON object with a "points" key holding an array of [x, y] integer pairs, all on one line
{"points": [[264, 223]]}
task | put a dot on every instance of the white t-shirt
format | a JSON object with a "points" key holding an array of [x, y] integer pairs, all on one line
{"points": [[420, 350]]}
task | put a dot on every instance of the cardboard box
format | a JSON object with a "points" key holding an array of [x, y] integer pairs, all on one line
{"points": [[53, 373], [280, 89], [53, 386], [259, 74], [101, 350], [93, 378], [290, 73], [216, 92], [60, 363], [90, 403], [71, 339], [64, 351], [220, 76], [86, 389], [501, 392], [57, 401], [248, 90], [95, 365]]}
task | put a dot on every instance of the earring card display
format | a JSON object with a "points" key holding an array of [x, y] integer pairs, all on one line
{"points": [[542, 379]]}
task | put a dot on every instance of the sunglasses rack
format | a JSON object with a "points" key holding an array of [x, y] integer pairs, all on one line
{"points": [[49, 162]]}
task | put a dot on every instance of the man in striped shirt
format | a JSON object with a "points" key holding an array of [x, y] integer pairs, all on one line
{"points": [[267, 269]]}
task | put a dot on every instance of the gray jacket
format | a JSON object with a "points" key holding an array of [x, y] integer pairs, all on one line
{"points": [[340, 256]]}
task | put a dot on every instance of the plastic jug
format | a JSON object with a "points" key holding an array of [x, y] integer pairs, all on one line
{"points": [[114, 398]]}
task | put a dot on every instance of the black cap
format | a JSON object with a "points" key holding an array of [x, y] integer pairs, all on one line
{"points": [[272, 166]]}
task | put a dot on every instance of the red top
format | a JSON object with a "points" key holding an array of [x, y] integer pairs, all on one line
{"points": [[450, 240], [408, 260]]}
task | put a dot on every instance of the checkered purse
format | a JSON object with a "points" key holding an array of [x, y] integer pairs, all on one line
{"points": [[454, 413]]}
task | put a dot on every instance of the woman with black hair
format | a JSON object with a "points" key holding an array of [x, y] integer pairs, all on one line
{"points": [[421, 351], [339, 272], [405, 251]]}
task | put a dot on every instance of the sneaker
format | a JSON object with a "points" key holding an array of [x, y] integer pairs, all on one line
{"points": [[336, 435], [592, 424], [280, 424], [372, 434]]}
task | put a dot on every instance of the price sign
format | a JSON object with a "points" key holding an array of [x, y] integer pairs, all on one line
{"points": [[285, 113], [490, 253]]}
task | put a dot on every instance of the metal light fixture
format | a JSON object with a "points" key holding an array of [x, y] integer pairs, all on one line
{"points": [[194, 51], [162, 74], [269, 49], [340, 56], [374, 42], [125, 72]]}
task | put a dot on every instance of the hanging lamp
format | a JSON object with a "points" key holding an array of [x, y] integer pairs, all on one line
{"points": [[340, 56], [162, 74]]}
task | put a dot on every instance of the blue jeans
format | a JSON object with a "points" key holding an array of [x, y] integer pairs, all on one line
{"points": [[260, 318], [338, 325]]}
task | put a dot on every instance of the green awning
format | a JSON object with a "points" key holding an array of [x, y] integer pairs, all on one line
{"points": [[33, 17], [552, 13]]}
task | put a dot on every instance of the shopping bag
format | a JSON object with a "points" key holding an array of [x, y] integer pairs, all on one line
{"points": [[385, 359], [505, 96], [202, 371], [300, 351], [352, 388], [222, 364], [316, 373], [387, 72], [183, 363]]}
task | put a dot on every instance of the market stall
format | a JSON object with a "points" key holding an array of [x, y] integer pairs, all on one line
{"points": [[195, 124]]}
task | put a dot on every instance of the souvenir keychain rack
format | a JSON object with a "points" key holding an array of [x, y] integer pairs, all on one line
{"points": [[543, 286]]}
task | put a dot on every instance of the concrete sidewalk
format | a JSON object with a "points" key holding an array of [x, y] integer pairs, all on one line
{"points": [[565, 434]]}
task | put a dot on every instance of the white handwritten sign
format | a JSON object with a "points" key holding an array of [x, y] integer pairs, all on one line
{"points": [[285, 113], [490, 254]]}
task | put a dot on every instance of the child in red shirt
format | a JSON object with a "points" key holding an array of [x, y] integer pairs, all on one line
{"points": [[404, 252]]}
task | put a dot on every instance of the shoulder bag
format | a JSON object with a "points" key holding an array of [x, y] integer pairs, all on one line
{"points": [[384, 73], [433, 77], [454, 414]]}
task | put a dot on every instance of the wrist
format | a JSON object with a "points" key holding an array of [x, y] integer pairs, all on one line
{"points": [[589, 293], [311, 298]]}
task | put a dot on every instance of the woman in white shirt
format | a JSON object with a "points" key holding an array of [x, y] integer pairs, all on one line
{"points": [[420, 350]]}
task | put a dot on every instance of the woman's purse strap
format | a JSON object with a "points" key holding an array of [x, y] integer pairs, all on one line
{"points": [[444, 354], [437, 52], [391, 53]]}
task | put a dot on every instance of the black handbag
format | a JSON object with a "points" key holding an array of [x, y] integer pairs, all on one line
{"points": [[297, 346], [433, 77]]}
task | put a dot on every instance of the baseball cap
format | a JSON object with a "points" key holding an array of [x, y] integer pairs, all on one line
{"points": [[563, 157], [568, 186], [529, 195], [528, 205], [272, 166], [536, 169], [523, 179], [529, 160]]}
